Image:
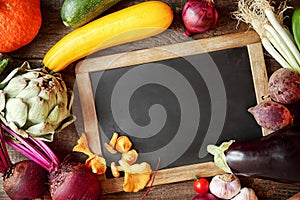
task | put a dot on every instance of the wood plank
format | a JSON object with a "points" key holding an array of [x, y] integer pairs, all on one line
{"points": [[258, 67], [89, 112], [167, 52], [167, 176]]}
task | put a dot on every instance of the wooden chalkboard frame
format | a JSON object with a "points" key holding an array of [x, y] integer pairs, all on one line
{"points": [[259, 74]]}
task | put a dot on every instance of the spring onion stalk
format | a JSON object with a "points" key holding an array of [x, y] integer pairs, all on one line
{"points": [[276, 39], [291, 44], [272, 51], [33, 149], [281, 52], [281, 47]]}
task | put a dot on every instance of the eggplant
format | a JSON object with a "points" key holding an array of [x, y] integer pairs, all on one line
{"points": [[275, 156]]}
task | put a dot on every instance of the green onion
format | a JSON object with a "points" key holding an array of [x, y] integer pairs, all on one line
{"points": [[275, 38]]}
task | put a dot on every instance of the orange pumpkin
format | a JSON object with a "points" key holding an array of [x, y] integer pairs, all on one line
{"points": [[20, 21]]}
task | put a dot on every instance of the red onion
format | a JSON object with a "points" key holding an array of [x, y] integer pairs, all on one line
{"points": [[199, 16], [207, 196]]}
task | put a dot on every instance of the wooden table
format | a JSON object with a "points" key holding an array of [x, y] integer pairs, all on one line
{"points": [[52, 30]]}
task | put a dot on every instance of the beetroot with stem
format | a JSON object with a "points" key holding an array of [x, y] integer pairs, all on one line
{"points": [[67, 180], [23, 180]]}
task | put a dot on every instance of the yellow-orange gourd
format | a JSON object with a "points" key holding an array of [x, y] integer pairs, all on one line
{"points": [[130, 24]]}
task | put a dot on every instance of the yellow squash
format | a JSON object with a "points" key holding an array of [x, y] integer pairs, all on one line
{"points": [[130, 24]]}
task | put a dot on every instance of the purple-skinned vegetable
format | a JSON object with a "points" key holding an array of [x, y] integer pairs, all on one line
{"points": [[25, 180], [199, 16], [74, 181], [274, 157], [206, 196], [271, 115], [66, 180], [22, 180], [284, 86]]}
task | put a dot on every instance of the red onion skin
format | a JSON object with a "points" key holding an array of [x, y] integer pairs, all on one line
{"points": [[25, 180], [207, 196], [74, 181], [199, 16]]}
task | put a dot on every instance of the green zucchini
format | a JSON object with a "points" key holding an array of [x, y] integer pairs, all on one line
{"points": [[296, 26], [75, 13]]}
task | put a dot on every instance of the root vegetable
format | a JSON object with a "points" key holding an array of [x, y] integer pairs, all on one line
{"points": [[207, 196], [25, 180], [284, 86], [67, 180], [74, 181], [271, 115]]}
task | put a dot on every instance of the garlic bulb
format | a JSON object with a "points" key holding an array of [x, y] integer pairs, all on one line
{"points": [[246, 194], [225, 186]]}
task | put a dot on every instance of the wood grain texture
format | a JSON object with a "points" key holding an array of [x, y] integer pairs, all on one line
{"points": [[52, 30], [173, 51], [258, 66], [89, 112], [167, 176]]}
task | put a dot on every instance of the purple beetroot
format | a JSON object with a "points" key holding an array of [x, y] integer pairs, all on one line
{"points": [[284, 86], [271, 115]]}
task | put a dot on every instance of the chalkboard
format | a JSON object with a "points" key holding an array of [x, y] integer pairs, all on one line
{"points": [[173, 101]]}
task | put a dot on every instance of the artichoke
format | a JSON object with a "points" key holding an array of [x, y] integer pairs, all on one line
{"points": [[35, 103]]}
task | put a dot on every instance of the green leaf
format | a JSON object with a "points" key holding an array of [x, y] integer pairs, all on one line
{"points": [[219, 156], [3, 64]]}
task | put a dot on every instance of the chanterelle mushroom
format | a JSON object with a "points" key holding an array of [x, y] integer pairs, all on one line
{"points": [[123, 144], [136, 176], [95, 162], [130, 157], [111, 145]]}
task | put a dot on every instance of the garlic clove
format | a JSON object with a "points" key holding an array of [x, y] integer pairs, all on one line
{"points": [[246, 194]]}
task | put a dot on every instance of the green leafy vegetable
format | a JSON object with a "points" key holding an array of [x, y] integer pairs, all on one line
{"points": [[34, 102]]}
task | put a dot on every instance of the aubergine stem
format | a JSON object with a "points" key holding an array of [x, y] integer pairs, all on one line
{"points": [[219, 155]]}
